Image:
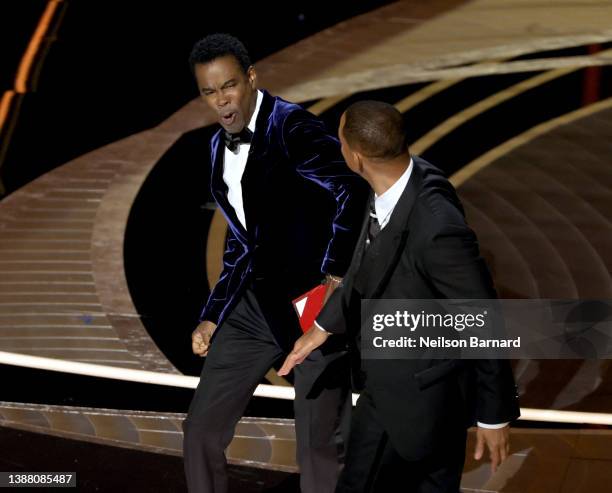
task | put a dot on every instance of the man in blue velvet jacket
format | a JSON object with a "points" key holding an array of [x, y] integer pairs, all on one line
{"points": [[293, 208]]}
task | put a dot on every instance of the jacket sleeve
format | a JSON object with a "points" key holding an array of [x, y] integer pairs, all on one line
{"points": [[453, 264], [332, 317], [317, 157], [234, 253]]}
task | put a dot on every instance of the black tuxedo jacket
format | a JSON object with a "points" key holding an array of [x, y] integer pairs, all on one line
{"points": [[303, 210], [426, 251]]}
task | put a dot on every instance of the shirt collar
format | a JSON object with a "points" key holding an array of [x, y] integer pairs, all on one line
{"points": [[385, 203], [253, 121]]}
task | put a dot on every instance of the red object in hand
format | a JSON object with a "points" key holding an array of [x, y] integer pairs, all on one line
{"points": [[309, 305]]}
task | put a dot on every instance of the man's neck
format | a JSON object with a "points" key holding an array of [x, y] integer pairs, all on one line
{"points": [[385, 174]]}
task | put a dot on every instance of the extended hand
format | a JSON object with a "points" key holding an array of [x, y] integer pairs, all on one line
{"points": [[305, 345], [200, 338], [497, 441]]}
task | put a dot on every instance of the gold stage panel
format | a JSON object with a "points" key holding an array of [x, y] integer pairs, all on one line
{"points": [[562, 460]]}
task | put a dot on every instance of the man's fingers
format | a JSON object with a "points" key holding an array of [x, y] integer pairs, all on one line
{"points": [[299, 355], [294, 358], [199, 347], [502, 455], [494, 462], [302, 348], [497, 442], [479, 450], [200, 338], [286, 368], [300, 359], [494, 452], [504, 451], [288, 365]]}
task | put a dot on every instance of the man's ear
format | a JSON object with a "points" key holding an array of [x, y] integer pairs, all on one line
{"points": [[252, 76], [359, 161]]}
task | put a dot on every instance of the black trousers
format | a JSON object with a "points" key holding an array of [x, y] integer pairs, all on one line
{"points": [[373, 465], [241, 353]]}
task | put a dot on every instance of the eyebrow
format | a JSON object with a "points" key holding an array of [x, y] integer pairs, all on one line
{"points": [[228, 82], [225, 84]]}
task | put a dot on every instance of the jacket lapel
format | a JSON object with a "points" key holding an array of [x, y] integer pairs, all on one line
{"points": [[219, 188], [257, 165], [361, 242], [381, 257]]}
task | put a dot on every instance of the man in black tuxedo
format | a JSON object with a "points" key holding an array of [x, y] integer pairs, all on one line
{"points": [[293, 210], [409, 426]]}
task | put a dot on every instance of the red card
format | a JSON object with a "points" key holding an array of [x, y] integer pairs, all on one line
{"points": [[309, 305]]}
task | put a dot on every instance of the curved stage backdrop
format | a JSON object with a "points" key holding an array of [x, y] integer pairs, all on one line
{"points": [[106, 259]]}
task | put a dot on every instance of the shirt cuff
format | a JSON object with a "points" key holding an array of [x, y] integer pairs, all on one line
{"points": [[492, 426], [319, 327]]}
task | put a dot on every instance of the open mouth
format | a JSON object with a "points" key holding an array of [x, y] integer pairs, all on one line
{"points": [[228, 118]]}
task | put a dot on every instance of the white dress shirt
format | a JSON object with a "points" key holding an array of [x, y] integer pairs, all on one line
{"points": [[384, 205], [234, 165]]}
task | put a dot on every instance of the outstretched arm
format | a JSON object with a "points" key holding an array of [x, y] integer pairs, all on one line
{"points": [[317, 157]]}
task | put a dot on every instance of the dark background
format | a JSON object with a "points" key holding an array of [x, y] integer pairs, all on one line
{"points": [[117, 67]]}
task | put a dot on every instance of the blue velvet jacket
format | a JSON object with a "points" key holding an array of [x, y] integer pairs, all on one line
{"points": [[303, 209]]}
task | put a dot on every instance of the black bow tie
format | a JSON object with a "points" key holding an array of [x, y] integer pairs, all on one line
{"points": [[232, 141]]}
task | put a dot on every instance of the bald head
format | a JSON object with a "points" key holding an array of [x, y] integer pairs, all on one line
{"points": [[375, 129]]}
